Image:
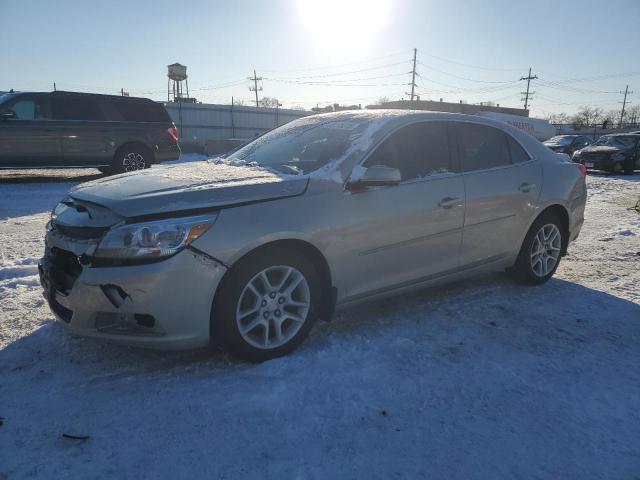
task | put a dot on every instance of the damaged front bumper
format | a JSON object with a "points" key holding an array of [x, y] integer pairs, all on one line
{"points": [[164, 305]]}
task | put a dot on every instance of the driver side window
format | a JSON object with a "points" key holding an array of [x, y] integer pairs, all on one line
{"points": [[417, 151]]}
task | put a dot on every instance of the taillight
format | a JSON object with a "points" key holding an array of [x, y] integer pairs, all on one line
{"points": [[582, 168], [172, 133]]}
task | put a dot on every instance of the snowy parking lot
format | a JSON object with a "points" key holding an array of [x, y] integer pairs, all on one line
{"points": [[480, 379]]}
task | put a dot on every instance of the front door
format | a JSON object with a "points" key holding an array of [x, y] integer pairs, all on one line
{"points": [[400, 235]]}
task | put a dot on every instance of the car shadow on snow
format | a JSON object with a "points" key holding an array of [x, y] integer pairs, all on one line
{"points": [[557, 315], [635, 177], [49, 175]]}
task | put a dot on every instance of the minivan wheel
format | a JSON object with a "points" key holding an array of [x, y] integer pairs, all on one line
{"points": [[540, 253], [266, 305], [629, 166], [130, 160]]}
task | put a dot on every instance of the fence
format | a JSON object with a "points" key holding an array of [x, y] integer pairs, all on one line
{"points": [[203, 123]]}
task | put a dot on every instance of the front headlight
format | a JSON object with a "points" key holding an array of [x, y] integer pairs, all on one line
{"points": [[158, 239]]}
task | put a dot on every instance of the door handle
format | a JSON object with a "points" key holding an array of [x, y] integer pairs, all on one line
{"points": [[526, 187], [448, 202]]}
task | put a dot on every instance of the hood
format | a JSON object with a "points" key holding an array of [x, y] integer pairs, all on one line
{"points": [[602, 149], [556, 146], [187, 186]]}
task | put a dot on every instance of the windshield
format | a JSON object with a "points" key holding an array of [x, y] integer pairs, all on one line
{"points": [[303, 145], [560, 140], [617, 141]]}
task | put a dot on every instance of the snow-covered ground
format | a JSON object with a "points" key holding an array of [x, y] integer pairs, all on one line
{"points": [[483, 379]]}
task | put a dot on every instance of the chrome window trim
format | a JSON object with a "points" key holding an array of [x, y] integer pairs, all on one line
{"points": [[532, 158]]}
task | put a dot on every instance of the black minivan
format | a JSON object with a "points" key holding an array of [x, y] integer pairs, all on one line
{"points": [[67, 129]]}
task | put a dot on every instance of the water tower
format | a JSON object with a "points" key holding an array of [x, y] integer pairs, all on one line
{"points": [[176, 75]]}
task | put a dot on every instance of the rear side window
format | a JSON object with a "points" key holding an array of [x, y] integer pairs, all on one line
{"points": [[68, 107], [417, 150], [482, 147], [518, 155], [140, 111]]}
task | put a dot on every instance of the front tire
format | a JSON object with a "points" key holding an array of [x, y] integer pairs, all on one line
{"points": [[541, 250], [266, 305]]}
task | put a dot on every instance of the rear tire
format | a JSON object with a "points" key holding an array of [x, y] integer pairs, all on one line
{"points": [[540, 252], [257, 320], [130, 159], [629, 166]]}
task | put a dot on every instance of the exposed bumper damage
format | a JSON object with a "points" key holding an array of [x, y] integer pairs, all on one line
{"points": [[164, 305]]}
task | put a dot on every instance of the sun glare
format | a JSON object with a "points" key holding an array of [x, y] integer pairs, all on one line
{"points": [[343, 26]]}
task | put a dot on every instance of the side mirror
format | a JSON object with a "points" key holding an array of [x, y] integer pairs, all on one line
{"points": [[8, 115], [374, 176]]}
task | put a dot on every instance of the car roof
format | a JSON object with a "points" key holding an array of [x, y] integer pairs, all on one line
{"points": [[62, 93]]}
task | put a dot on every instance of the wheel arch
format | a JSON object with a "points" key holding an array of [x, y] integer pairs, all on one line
{"points": [[307, 249], [561, 212], [135, 144]]}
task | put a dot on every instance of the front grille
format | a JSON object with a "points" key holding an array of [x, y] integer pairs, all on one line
{"points": [[82, 233], [595, 157], [64, 269]]}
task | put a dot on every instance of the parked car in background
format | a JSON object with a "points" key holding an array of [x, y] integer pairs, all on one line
{"points": [[65, 129], [568, 143], [613, 153], [326, 211]]}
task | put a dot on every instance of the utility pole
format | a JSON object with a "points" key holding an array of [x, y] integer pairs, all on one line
{"points": [[624, 104], [413, 74], [526, 94], [54, 86], [255, 88]]}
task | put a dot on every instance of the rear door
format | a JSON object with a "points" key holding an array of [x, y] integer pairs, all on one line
{"points": [[399, 235], [502, 184], [86, 139], [29, 139]]}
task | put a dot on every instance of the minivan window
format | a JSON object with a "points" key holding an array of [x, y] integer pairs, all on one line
{"points": [[136, 111], [482, 147], [417, 150], [68, 107], [28, 108]]}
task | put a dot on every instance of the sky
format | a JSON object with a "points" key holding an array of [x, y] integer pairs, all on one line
{"points": [[312, 53]]}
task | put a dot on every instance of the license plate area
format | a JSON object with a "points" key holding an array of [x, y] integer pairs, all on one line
{"points": [[588, 164]]}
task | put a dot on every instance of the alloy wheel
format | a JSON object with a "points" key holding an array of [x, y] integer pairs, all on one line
{"points": [[273, 307], [545, 250], [133, 161]]}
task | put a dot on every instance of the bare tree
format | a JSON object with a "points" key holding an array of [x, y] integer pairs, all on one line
{"points": [[632, 115], [588, 116], [268, 102], [382, 101], [558, 118]]}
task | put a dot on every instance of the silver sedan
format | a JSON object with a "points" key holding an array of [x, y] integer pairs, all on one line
{"points": [[248, 251]]}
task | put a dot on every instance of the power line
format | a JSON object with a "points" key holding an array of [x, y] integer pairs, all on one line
{"points": [[325, 67], [328, 75], [463, 78]]}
